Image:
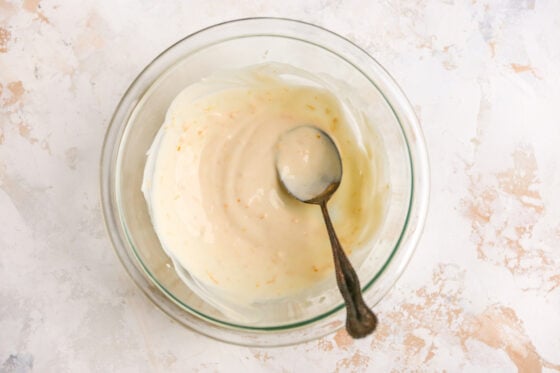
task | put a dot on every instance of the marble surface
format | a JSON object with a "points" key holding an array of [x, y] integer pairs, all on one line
{"points": [[482, 292]]}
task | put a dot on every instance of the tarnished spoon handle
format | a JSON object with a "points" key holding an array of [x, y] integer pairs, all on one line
{"points": [[360, 320]]}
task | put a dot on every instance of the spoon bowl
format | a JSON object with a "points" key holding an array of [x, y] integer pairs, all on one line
{"points": [[308, 164]]}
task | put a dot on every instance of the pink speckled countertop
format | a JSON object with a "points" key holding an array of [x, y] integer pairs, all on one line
{"points": [[482, 292]]}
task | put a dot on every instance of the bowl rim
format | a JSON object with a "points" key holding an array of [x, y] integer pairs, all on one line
{"points": [[418, 200]]}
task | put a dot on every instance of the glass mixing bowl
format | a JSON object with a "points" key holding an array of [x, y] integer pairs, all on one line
{"points": [[237, 44]]}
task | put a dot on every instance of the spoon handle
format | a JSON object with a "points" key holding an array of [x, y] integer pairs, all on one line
{"points": [[360, 320]]}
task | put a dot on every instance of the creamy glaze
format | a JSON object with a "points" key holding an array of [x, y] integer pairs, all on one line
{"points": [[213, 194]]}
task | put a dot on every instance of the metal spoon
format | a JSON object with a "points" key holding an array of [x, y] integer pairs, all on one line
{"points": [[310, 169]]}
